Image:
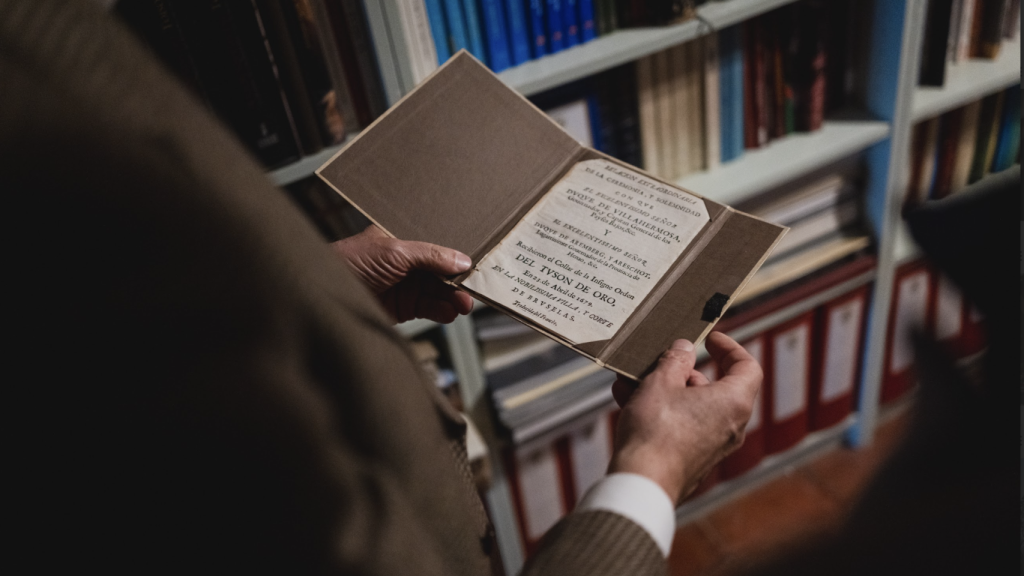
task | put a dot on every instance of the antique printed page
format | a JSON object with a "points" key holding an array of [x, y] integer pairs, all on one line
{"points": [[590, 251]]}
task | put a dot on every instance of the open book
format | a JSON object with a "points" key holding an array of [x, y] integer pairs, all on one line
{"points": [[592, 252]]}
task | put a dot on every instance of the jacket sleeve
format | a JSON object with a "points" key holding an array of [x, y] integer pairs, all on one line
{"points": [[596, 543]]}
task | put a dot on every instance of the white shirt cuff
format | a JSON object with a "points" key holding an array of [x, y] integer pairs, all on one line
{"points": [[638, 498]]}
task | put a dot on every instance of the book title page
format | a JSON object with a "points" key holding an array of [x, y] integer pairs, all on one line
{"points": [[589, 252]]}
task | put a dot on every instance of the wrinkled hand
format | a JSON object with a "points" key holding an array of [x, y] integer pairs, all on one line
{"points": [[676, 425], [403, 275]]}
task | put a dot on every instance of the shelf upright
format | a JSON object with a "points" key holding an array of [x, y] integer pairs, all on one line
{"points": [[895, 54]]}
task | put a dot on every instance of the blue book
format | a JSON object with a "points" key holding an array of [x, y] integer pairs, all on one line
{"points": [[495, 39], [570, 23], [474, 32], [538, 32], [455, 23], [554, 25], [730, 95], [1008, 142], [435, 15], [518, 36], [588, 29]]}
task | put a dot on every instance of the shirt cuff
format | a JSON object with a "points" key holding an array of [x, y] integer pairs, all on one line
{"points": [[638, 498]]}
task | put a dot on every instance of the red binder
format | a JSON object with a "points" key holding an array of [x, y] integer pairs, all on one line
{"points": [[911, 297], [947, 314], [789, 363], [750, 453], [536, 481], [838, 346], [588, 451]]}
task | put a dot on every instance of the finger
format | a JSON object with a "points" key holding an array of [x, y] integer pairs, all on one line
{"points": [[434, 258], [697, 378], [735, 364], [440, 311], [406, 294], [676, 363], [622, 390], [460, 301]]}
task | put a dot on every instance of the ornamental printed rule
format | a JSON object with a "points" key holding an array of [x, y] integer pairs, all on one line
{"points": [[589, 252]]}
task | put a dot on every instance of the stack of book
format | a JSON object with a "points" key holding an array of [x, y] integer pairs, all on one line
{"points": [[290, 77], [536, 384], [960, 147], [958, 30], [826, 224]]}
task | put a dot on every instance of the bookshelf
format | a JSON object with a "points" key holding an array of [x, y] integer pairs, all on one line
{"points": [[881, 132]]}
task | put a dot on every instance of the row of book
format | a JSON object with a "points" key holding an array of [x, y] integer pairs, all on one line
{"points": [[506, 33], [958, 30], [693, 106], [960, 147], [290, 77]]}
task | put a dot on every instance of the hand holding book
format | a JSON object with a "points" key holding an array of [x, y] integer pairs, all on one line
{"points": [[465, 162], [404, 275], [676, 425]]}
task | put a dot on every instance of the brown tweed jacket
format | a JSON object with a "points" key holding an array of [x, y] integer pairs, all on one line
{"points": [[199, 384]]}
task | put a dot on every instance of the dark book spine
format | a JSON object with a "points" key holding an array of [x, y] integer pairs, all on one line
{"points": [[239, 74], [990, 35], [987, 123], [750, 70], [936, 35], [158, 26], [324, 96], [809, 77], [282, 46], [604, 90], [537, 27], [949, 138], [570, 23], [917, 146], [626, 108], [366, 89], [842, 28]]}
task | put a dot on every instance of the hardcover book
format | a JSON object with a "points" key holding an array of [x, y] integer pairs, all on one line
{"points": [[592, 252]]}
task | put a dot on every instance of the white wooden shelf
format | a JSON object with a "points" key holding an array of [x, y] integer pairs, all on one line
{"points": [[785, 159], [628, 44], [968, 81], [306, 165]]}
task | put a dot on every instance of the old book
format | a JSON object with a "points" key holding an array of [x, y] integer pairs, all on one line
{"points": [[965, 147], [647, 115], [596, 254], [712, 103]]}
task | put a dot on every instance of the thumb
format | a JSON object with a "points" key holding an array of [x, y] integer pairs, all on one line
{"points": [[677, 362], [434, 258]]}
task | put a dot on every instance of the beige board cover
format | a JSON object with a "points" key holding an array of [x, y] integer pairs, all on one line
{"points": [[462, 158]]}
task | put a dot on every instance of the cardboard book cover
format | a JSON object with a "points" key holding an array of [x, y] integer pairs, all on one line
{"points": [[590, 251]]}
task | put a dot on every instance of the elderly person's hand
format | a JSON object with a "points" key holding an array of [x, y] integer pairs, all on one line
{"points": [[404, 275], [676, 425]]}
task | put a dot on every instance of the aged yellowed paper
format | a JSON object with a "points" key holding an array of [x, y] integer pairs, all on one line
{"points": [[589, 252]]}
